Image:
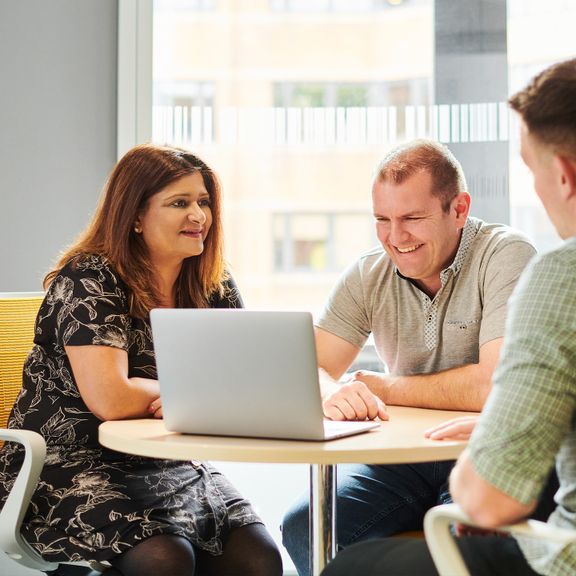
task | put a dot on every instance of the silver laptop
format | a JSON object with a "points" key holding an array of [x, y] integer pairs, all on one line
{"points": [[242, 373]]}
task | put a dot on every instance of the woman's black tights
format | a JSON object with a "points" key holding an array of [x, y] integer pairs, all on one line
{"points": [[248, 551], [162, 555]]}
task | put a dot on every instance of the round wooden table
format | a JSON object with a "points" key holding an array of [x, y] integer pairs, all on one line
{"points": [[399, 440]]}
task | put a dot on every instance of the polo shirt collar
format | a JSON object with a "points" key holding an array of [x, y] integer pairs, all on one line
{"points": [[468, 234]]}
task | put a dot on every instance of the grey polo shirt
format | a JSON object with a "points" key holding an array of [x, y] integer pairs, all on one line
{"points": [[414, 334]]}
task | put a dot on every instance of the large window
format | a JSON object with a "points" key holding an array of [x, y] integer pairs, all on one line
{"points": [[400, 93], [345, 6], [293, 104], [182, 113], [319, 242]]}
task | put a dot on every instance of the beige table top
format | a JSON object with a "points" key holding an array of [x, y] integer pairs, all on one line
{"points": [[397, 441]]}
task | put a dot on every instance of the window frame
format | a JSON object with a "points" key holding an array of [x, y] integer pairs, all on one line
{"points": [[134, 98]]}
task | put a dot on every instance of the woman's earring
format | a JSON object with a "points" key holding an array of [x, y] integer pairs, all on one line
{"points": [[137, 229]]}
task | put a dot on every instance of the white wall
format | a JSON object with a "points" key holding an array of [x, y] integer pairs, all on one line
{"points": [[57, 127]]}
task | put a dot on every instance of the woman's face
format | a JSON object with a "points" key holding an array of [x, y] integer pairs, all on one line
{"points": [[176, 221]]}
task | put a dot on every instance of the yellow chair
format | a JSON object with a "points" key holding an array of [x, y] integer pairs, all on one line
{"points": [[17, 318]]}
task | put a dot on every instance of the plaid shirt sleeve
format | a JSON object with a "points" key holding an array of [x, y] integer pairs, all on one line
{"points": [[531, 409]]}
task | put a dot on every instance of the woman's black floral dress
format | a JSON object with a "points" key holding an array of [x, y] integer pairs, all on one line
{"points": [[91, 502]]}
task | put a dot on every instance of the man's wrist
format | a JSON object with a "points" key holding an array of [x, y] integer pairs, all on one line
{"points": [[379, 384]]}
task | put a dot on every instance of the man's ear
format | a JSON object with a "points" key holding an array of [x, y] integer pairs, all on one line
{"points": [[461, 204], [567, 174]]}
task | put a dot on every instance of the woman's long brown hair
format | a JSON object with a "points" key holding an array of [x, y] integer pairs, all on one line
{"points": [[140, 174]]}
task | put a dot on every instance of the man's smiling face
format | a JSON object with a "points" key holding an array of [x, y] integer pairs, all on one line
{"points": [[421, 238]]}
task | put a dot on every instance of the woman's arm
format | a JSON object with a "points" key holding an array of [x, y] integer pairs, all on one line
{"points": [[101, 374]]}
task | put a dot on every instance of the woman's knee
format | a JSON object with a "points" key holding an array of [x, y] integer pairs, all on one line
{"points": [[267, 563], [253, 552], [162, 554]]}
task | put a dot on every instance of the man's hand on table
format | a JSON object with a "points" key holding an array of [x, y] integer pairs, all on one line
{"points": [[353, 401]]}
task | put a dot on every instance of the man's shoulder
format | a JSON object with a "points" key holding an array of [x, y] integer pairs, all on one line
{"points": [[500, 233], [560, 262], [370, 269], [374, 261], [544, 297], [373, 254], [494, 238], [565, 253]]}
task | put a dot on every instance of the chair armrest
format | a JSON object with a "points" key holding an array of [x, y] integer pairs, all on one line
{"points": [[12, 514], [440, 539], [446, 554]]}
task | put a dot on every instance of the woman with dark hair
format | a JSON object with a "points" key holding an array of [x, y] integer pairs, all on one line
{"points": [[155, 241]]}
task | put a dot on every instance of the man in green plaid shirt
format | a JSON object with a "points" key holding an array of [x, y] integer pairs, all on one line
{"points": [[529, 421]]}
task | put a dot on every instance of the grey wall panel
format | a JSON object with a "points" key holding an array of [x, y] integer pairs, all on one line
{"points": [[57, 127], [470, 66]]}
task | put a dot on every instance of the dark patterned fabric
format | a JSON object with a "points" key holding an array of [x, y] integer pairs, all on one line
{"points": [[91, 502]]}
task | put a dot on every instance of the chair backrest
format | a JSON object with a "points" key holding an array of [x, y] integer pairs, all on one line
{"points": [[18, 312]]}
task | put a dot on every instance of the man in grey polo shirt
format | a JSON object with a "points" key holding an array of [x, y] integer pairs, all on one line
{"points": [[528, 424], [434, 297]]}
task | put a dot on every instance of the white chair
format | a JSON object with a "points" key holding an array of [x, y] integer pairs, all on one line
{"points": [[17, 317], [445, 553]]}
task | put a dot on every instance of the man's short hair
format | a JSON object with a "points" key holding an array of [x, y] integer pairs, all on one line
{"points": [[425, 156], [548, 107]]}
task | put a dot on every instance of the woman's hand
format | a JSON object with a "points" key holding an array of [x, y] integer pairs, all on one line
{"points": [[155, 408], [456, 429]]}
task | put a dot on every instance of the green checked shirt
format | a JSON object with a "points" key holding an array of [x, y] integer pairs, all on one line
{"points": [[529, 420]]}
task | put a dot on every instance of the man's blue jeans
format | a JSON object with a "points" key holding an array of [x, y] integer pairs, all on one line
{"points": [[372, 502]]}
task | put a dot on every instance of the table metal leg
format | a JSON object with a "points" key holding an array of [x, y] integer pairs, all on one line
{"points": [[322, 516]]}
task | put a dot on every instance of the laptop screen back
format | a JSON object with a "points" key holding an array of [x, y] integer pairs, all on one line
{"points": [[238, 372]]}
